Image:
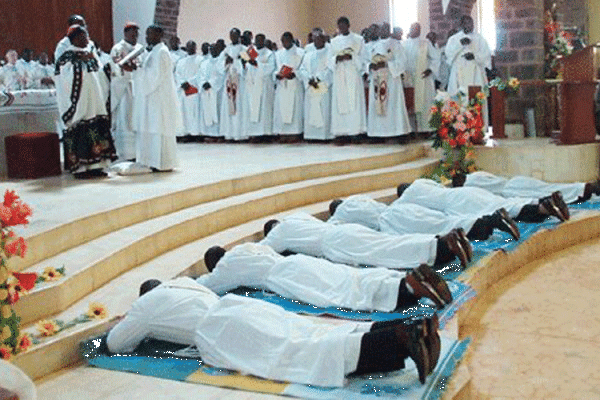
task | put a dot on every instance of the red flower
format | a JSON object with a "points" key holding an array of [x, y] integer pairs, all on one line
{"points": [[461, 140], [5, 214], [20, 213], [5, 353], [443, 132], [452, 142], [16, 247], [26, 279], [10, 197]]}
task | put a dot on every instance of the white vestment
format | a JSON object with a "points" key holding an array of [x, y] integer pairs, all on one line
{"points": [[359, 209], [157, 117], [309, 279], [121, 102], [177, 55], [243, 334], [64, 44], [186, 71], [13, 77], [259, 94], [387, 109], [288, 110], [231, 123], [524, 186], [317, 101], [462, 201], [210, 99], [348, 110], [351, 244], [421, 55]]}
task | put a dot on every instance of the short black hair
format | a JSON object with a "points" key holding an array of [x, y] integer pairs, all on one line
{"points": [[401, 188], [73, 19], [156, 28], [344, 20], [269, 225], [148, 286], [75, 30], [287, 34], [212, 257], [334, 205]]}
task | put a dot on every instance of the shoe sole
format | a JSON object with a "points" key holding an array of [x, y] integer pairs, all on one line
{"points": [[465, 244], [558, 200], [437, 281], [509, 224]]}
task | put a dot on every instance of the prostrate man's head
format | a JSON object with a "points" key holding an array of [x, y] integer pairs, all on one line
{"points": [[212, 257], [343, 25], [190, 47], [78, 36], [234, 36], [333, 206], [259, 41], [174, 42], [415, 30], [205, 48], [269, 225], [131, 33], [287, 40], [401, 188], [466, 24], [148, 286], [154, 35]]}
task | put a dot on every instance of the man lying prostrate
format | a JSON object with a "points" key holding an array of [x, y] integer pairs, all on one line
{"points": [[320, 282], [524, 186], [355, 244], [262, 339], [406, 218], [476, 201]]}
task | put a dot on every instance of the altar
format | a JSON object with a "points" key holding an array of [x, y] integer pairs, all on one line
{"points": [[26, 111]]}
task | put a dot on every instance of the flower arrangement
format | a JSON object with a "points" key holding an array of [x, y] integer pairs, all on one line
{"points": [[511, 85], [557, 43], [457, 127], [13, 285]]}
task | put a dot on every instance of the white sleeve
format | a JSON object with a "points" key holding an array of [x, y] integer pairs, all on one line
{"points": [[127, 334]]}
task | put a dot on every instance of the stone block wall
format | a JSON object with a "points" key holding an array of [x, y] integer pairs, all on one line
{"points": [[441, 23], [166, 14]]}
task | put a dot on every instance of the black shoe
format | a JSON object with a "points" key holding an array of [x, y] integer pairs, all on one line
{"points": [[551, 208], [425, 282], [418, 350], [558, 200], [464, 242], [505, 223], [453, 242]]}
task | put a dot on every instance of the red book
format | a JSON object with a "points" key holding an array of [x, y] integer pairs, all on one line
{"points": [[252, 53], [286, 71], [191, 90]]}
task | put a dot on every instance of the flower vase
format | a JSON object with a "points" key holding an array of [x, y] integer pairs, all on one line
{"points": [[498, 112]]}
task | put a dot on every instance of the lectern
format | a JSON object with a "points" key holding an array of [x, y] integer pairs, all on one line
{"points": [[579, 71]]}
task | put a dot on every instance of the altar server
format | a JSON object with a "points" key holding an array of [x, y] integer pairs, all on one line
{"points": [[231, 117], [262, 339], [210, 79], [186, 71]]}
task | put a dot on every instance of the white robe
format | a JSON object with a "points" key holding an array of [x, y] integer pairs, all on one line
{"points": [[157, 118], [64, 44], [392, 119], [232, 114], [185, 71], [39, 72], [243, 334], [421, 55], [309, 279], [348, 110], [121, 102], [317, 102], [351, 244], [210, 100], [359, 209], [460, 201], [523, 186], [13, 77], [259, 94], [288, 110], [465, 73]]}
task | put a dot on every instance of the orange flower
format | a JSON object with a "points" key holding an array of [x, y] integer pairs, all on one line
{"points": [[97, 311], [5, 353], [47, 327], [24, 342]]}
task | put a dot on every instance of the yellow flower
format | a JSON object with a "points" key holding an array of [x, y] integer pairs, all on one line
{"points": [[3, 275], [472, 168], [6, 333], [514, 82], [3, 294], [51, 274], [47, 327], [97, 311], [480, 95], [5, 353], [6, 311]]}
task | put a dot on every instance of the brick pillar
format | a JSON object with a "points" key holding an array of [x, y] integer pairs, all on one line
{"points": [[441, 23], [166, 14]]}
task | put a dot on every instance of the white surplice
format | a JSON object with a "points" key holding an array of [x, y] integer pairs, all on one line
{"points": [[351, 244], [210, 99], [421, 55], [157, 117], [309, 279], [348, 110], [460, 201], [288, 114], [317, 101], [259, 94], [231, 123], [185, 71], [243, 334], [523, 186], [359, 209], [121, 102], [13, 77]]}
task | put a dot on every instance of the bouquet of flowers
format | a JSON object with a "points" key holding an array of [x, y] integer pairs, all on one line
{"points": [[13, 285], [557, 43], [458, 127], [511, 85]]}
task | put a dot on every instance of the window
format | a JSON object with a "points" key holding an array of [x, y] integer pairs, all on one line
{"points": [[485, 18], [404, 13]]}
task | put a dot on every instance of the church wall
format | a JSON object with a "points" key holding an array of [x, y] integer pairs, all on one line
{"points": [[361, 13], [594, 20], [441, 23], [139, 11], [203, 20]]}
